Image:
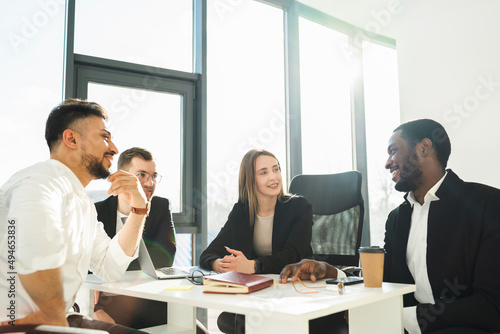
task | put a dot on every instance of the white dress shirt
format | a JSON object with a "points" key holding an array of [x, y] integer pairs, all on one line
{"points": [[55, 226], [416, 255]]}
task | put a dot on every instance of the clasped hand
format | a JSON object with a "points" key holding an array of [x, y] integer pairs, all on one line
{"points": [[237, 261]]}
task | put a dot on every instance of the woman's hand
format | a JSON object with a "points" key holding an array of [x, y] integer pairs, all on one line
{"points": [[237, 261]]}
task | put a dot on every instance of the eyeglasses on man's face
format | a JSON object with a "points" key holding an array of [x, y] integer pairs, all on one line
{"points": [[145, 176]]}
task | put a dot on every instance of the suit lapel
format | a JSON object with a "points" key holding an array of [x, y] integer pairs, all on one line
{"points": [[108, 215], [278, 213], [400, 268], [441, 220]]}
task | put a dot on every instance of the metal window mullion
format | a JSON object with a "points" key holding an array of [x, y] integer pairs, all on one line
{"points": [[292, 93], [360, 159], [68, 58], [200, 127]]}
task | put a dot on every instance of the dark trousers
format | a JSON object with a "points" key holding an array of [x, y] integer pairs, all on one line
{"points": [[134, 312], [79, 321]]}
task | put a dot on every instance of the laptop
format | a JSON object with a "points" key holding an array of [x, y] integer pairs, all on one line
{"points": [[162, 273]]}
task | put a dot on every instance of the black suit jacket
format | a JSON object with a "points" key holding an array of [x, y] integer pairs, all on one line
{"points": [[291, 240], [159, 230], [159, 237], [463, 256]]}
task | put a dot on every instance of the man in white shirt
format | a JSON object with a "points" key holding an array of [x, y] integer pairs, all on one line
{"points": [[53, 237], [444, 238]]}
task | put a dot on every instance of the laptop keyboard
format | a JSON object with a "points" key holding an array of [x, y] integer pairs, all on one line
{"points": [[173, 271]]}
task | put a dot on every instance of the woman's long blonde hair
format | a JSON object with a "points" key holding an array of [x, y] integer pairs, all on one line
{"points": [[246, 184]]}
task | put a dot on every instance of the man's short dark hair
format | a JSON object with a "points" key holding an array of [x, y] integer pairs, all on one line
{"points": [[66, 114], [413, 132], [134, 152]]}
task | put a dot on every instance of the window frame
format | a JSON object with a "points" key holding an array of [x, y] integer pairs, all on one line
{"points": [[109, 72], [292, 11], [79, 70], [78, 67]]}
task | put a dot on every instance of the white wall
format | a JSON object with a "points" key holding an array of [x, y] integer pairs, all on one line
{"points": [[448, 51]]}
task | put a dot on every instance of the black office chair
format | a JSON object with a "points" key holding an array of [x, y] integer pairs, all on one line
{"points": [[338, 210]]}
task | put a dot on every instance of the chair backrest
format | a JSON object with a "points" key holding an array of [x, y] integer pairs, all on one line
{"points": [[338, 211]]}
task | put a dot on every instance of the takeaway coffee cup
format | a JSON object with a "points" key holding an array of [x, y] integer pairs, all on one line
{"points": [[372, 264]]}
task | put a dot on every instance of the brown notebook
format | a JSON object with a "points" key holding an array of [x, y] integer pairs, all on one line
{"points": [[234, 282]]}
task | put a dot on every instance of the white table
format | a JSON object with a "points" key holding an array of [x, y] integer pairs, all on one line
{"points": [[271, 310]]}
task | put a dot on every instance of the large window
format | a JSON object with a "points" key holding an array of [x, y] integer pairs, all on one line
{"points": [[325, 92], [137, 117], [147, 32], [138, 60], [348, 105], [31, 83], [380, 67], [246, 96]]}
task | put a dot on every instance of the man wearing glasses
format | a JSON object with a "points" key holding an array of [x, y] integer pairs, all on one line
{"points": [[159, 237]]}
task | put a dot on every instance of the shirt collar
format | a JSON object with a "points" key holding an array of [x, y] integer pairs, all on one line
{"points": [[431, 194], [75, 182]]}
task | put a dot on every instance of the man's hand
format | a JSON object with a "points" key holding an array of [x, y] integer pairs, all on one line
{"points": [[237, 261], [307, 269], [127, 183]]}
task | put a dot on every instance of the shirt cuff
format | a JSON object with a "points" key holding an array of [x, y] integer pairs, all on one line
{"points": [[118, 254], [410, 320]]}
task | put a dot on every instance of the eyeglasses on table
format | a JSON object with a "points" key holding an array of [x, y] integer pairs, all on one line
{"points": [[196, 277]]}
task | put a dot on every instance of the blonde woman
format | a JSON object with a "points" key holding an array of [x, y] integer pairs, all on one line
{"points": [[267, 229]]}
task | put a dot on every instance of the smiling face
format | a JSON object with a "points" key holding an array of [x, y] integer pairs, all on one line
{"points": [[97, 147], [267, 177], [403, 163], [138, 165]]}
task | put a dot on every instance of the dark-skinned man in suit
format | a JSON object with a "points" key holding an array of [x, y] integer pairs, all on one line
{"points": [[444, 238]]}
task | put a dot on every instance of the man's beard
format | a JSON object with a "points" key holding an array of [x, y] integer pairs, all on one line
{"points": [[148, 194], [94, 166], [410, 175]]}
